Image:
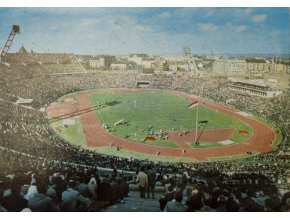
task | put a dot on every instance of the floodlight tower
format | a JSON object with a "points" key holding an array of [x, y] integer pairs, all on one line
{"points": [[191, 64], [15, 30]]}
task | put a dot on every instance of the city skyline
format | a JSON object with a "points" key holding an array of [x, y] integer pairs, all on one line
{"points": [[156, 31]]}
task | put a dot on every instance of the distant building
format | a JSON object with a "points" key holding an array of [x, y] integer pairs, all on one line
{"points": [[99, 63], [229, 66], [22, 50], [174, 58], [280, 68], [136, 60], [257, 66], [160, 65], [102, 62], [178, 66], [272, 82], [200, 65], [280, 65], [120, 65], [254, 87], [249, 65], [278, 81], [139, 55], [148, 63]]}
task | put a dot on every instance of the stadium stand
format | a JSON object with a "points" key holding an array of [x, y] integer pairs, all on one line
{"points": [[36, 164]]}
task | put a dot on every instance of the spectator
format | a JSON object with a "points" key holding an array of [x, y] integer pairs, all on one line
{"points": [[125, 187], [51, 192], [273, 204], [169, 196], [32, 190], [72, 200], [117, 193], [84, 190], [151, 182], [195, 202], [14, 202], [2, 209], [40, 202], [142, 182], [252, 206], [232, 205], [286, 207], [206, 204], [176, 204], [92, 186], [222, 200], [105, 191]]}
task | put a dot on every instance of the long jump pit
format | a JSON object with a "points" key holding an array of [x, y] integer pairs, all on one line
{"points": [[158, 124]]}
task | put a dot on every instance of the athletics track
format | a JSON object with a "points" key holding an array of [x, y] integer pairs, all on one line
{"points": [[96, 136]]}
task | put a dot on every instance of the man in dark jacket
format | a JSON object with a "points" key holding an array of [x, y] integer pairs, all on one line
{"points": [[151, 182], [14, 202]]}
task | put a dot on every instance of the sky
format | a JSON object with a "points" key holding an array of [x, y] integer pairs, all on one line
{"points": [[154, 30]]}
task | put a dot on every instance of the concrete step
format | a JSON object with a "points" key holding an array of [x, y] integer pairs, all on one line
{"points": [[134, 203]]}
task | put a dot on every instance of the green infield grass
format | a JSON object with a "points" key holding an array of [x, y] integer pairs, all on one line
{"points": [[145, 114], [140, 156], [71, 133]]}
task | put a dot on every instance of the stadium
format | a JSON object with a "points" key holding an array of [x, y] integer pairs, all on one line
{"points": [[65, 124]]}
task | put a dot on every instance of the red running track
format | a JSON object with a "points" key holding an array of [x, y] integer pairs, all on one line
{"points": [[96, 136]]}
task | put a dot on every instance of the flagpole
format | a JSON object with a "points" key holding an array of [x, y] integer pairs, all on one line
{"points": [[196, 124]]}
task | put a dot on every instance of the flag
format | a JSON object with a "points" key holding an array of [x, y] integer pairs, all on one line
{"points": [[244, 132], [203, 121], [150, 138], [192, 104]]}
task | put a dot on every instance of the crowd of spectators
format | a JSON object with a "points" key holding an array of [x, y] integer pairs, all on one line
{"points": [[28, 146], [221, 195], [56, 187], [36, 58]]}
